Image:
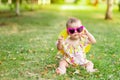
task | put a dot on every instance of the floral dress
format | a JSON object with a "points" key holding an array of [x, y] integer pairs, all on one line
{"points": [[76, 55]]}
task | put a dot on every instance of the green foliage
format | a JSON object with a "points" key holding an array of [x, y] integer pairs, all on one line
{"points": [[58, 1], [14, 1], [4, 1], [77, 1]]}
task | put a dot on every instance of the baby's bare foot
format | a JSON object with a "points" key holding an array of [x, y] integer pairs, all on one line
{"points": [[60, 71], [57, 71], [93, 70]]}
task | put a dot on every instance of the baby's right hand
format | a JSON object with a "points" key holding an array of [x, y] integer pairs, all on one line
{"points": [[60, 43], [60, 40]]}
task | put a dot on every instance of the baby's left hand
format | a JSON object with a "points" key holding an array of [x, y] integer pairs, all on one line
{"points": [[84, 32]]}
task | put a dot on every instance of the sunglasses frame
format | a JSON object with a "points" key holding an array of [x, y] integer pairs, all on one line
{"points": [[75, 29]]}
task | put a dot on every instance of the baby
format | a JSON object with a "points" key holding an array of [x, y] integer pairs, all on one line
{"points": [[73, 46]]}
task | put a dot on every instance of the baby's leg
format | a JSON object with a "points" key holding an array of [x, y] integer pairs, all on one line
{"points": [[62, 67], [90, 67]]}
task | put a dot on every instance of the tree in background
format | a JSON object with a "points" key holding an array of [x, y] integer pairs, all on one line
{"points": [[17, 5], [108, 14]]}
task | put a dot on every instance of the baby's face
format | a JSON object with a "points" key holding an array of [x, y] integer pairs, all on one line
{"points": [[75, 30]]}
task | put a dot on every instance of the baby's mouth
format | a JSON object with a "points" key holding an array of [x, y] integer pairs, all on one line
{"points": [[75, 35]]}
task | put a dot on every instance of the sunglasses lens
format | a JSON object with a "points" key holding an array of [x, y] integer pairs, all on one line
{"points": [[79, 29], [71, 31]]}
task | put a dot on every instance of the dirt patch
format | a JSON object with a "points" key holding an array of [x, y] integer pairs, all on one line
{"points": [[3, 24], [6, 24], [8, 14]]}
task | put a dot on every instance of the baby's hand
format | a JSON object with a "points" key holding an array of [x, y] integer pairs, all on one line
{"points": [[85, 31], [60, 40]]}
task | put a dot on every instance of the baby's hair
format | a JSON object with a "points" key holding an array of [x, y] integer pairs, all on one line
{"points": [[71, 21]]}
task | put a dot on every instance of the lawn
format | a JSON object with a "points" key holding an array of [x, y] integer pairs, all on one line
{"points": [[28, 50]]}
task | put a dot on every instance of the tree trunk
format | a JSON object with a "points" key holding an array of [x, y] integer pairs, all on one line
{"points": [[17, 7], [9, 2], [109, 9]]}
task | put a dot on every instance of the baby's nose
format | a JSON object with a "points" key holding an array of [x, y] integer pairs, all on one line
{"points": [[75, 31]]}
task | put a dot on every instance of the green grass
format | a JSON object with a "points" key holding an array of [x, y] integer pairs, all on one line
{"points": [[27, 45]]}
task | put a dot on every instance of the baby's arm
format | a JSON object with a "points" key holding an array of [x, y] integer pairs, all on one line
{"points": [[60, 43], [90, 36]]}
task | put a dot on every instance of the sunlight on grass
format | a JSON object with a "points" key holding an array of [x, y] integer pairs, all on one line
{"points": [[77, 7], [73, 7], [85, 7]]}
